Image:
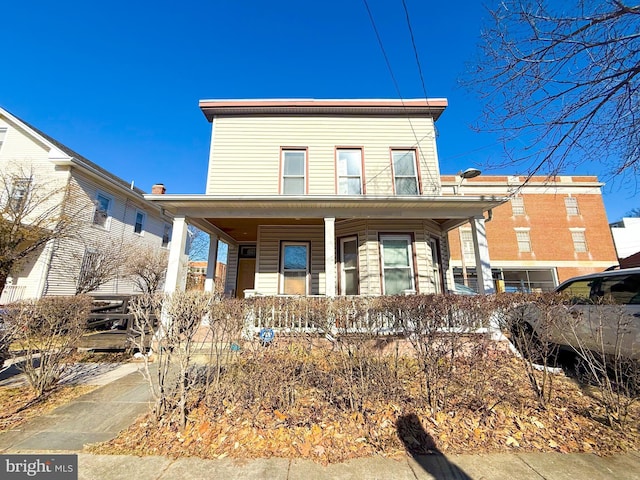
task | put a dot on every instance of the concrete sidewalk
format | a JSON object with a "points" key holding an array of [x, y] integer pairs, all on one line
{"points": [[525, 466]]}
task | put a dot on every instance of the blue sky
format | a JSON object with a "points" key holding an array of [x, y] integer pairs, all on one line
{"points": [[119, 82]]}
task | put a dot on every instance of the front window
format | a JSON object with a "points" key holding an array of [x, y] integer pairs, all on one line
{"points": [[517, 206], [349, 171], [166, 235], [102, 211], [349, 275], [3, 134], [139, 225], [294, 268], [405, 172], [571, 205], [294, 167], [397, 264], [579, 241], [524, 241], [19, 193]]}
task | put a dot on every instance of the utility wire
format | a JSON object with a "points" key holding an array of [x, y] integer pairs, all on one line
{"points": [[415, 49]]}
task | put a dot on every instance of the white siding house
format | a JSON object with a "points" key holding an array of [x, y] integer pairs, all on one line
{"points": [[328, 197], [109, 213]]}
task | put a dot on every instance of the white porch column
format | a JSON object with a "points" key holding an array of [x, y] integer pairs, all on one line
{"points": [[212, 261], [330, 256], [481, 248], [175, 278]]}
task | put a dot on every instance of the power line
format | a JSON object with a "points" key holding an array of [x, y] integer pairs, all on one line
{"points": [[415, 49]]}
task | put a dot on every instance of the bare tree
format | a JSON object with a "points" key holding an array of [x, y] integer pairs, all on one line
{"points": [[99, 264], [31, 214], [560, 80], [146, 266]]}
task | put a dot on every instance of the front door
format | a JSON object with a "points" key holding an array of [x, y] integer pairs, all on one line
{"points": [[246, 269]]}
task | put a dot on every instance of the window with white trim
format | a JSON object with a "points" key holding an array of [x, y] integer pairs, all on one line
{"points": [[90, 265], [138, 226], [517, 206], [294, 268], [524, 241], [349, 171], [19, 193], [579, 241], [466, 239], [3, 134], [405, 172], [166, 235], [349, 274], [294, 167], [571, 205], [396, 254], [102, 213]]}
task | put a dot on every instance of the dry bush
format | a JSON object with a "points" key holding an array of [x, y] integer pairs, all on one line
{"points": [[46, 333], [146, 266]]}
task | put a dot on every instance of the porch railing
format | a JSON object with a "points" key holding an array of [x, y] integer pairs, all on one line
{"points": [[12, 293]]}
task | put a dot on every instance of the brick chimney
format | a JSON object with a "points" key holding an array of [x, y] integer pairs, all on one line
{"points": [[158, 189]]}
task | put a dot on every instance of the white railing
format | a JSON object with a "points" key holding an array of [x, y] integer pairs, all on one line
{"points": [[12, 293]]}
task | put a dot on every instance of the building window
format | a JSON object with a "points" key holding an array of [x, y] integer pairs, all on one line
{"points": [[103, 210], [517, 206], [19, 193], [349, 274], [3, 134], [466, 240], [89, 269], [397, 264], [579, 241], [166, 235], [294, 168], [349, 171], [436, 269], [524, 241], [405, 172], [294, 268], [571, 204], [138, 227]]}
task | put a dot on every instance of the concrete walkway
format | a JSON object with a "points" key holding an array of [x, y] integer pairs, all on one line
{"points": [[94, 417], [99, 416]]}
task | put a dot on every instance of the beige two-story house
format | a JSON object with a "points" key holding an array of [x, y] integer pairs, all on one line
{"points": [[109, 215], [327, 197]]}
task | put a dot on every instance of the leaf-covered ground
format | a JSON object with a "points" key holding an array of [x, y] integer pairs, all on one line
{"points": [[488, 407]]}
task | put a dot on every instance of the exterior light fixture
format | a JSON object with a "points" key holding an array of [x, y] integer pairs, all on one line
{"points": [[468, 173]]}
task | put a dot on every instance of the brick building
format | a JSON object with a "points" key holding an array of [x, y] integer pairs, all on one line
{"points": [[550, 230]]}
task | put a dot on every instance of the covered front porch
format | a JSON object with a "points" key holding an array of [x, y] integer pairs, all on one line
{"points": [[329, 245]]}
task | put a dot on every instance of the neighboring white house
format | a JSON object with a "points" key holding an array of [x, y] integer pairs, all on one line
{"points": [[626, 236], [110, 212], [327, 197]]}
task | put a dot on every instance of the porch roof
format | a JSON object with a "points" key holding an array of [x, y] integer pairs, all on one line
{"points": [[448, 211]]}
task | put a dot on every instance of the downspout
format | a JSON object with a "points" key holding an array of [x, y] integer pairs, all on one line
{"points": [[490, 217]]}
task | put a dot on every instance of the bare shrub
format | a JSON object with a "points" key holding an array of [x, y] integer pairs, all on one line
{"points": [[146, 267], [46, 332], [601, 335], [532, 322]]}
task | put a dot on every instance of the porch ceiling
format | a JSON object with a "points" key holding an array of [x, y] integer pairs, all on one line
{"points": [[233, 214]]}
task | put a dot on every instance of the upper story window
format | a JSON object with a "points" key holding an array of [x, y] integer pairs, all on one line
{"points": [[405, 172], [571, 204], [517, 206], [524, 240], [19, 193], [166, 235], [3, 134], [138, 227], [294, 171], [102, 213], [579, 240], [349, 171]]}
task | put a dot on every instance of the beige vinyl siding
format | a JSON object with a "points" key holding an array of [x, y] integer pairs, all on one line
{"points": [[245, 152], [68, 256], [232, 270], [268, 259]]}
